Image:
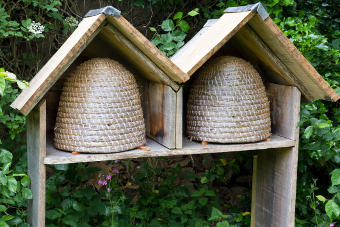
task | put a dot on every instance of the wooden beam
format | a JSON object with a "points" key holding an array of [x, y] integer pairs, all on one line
{"points": [[58, 63], [160, 114], [55, 156], [136, 57], [274, 180], [211, 41], [179, 118], [36, 152], [149, 49], [285, 50], [251, 43]]}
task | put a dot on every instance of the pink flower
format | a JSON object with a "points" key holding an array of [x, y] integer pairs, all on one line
{"points": [[115, 170], [116, 161], [104, 182], [138, 167], [108, 177], [100, 182], [331, 225], [108, 189]]}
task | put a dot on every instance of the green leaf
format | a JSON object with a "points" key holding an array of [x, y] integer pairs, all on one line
{"points": [[308, 132], [216, 215], [25, 181], [204, 180], [203, 201], [27, 193], [184, 26], [321, 198], [332, 209], [2, 208], [176, 210], [335, 177], [22, 85], [332, 189], [178, 15], [12, 184], [152, 29], [169, 46], [168, 25], [5, 156], [2, 86], [223, 224], [193, 13], [52, 214], [3, 224], [324, 125]]}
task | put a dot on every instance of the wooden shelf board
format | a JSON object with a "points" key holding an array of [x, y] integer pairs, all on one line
{"points": [[55, 156]]}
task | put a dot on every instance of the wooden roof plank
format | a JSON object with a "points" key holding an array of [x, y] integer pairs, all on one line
{"points": [[149, 49], [211, 41], [58, 63], [290, 56]]}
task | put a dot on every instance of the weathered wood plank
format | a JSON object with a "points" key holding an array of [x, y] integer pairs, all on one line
{"points": [[211, 41], [36, 152], [284, 109], [285, 50], [58, 63], [136, 57], [276, 173], [251, 44], [55, 156], [149, 49], [179, 118], [193, 40], [160, 114]]}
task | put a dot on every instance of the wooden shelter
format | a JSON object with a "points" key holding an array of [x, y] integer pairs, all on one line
{"points": [[245, 32]]}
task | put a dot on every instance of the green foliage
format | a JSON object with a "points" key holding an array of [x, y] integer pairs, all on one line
{"points": [[151, 195], [176, 30]]}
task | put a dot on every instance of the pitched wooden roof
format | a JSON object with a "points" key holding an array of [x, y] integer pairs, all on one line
{"points": [[254, 32], [122, 36]]}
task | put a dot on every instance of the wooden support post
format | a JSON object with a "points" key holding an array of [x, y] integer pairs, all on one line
{"points": [[36, 152], [274, 180], [160, 114]]}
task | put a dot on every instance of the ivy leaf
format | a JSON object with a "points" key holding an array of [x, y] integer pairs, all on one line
{"points": [[332, 209], [169, 46], [2, 86], [22, 85], [25, 181], [27, 193], [184, 26], [321, 198], [12, 184], [178, 15], [193, 13], [168, 25], [335, 177], [52, 214], [5, 156], [308, 132]]}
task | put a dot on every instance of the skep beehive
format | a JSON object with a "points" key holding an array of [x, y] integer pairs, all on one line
{"points": [[99, 109], [228, 103]]}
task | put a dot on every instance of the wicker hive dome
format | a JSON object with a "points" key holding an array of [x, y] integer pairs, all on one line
{"points": [[99, 109], [228, 103]]}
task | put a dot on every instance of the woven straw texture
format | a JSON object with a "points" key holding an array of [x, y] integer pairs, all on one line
{"points": [[99, 109], [228, 103]]}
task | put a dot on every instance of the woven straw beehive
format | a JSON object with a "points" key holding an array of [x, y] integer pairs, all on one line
{"points": [[228, 103], [99, 110]]}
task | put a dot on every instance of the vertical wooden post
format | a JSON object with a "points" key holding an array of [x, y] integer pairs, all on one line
{"points": [[36, 152], [179, 118], [275, 175], [160, 114]]}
